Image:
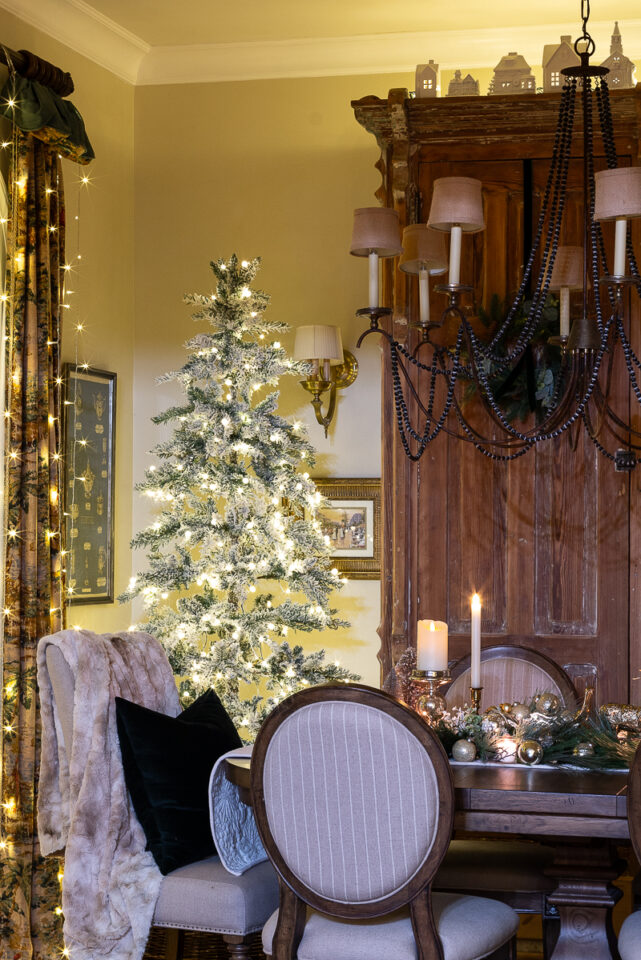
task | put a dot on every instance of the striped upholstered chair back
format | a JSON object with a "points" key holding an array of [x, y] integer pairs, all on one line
{"points": [[353, 799], [509, 674]]}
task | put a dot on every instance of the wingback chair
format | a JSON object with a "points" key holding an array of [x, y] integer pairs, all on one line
{"points": [[354, 803], [513, 870], [201, 896], [630, 933]]}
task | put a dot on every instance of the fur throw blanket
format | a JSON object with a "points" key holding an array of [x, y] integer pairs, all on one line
{"points": [[111, 882]]}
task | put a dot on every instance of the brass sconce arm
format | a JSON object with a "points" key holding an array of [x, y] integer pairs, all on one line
{"points": [[340, 376]]}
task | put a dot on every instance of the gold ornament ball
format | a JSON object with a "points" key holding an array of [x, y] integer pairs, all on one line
{"points": [[584, 750], [506, 709], [520, 712], [464, 750], [530, 752], [547, 703]]}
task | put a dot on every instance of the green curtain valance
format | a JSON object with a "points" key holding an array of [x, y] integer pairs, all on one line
{"points": [[40, 111]]}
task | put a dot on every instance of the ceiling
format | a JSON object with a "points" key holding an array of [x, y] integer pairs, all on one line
{"points": [[161, 41]]}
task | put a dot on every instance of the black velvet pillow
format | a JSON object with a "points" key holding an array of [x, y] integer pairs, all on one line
{"points": [[167, 763]]}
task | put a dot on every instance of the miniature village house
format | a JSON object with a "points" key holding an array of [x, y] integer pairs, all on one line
{"points": [[427, 80], [463, 87], [621, 67], [555, 58], [512, 75]]}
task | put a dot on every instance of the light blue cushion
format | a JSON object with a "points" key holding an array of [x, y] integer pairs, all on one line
{"points": [[469, 927], [630, 937]]}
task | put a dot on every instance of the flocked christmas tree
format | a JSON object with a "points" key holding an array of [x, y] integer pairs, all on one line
{"points": [[236, 558]]}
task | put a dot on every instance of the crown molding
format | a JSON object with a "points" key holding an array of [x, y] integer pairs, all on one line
{"points": [[79, 26], [372, 54]]}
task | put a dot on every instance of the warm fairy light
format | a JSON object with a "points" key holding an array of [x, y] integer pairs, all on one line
{"points": [[79, 327]]}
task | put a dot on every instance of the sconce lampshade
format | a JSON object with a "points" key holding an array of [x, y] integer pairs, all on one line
{"points": [[423, 249], [617, 193], [457, 201], [318, 342], [376, 230], [568, 269]]}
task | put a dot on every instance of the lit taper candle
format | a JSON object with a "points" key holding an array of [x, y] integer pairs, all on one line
{"points": [[475, 678]]}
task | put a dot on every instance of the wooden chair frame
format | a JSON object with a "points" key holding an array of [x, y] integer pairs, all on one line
{"points": [[508, 651], [296, 895]]}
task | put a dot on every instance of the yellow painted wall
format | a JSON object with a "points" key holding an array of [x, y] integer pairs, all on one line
{"points": [[271, 169], [104, 285]]}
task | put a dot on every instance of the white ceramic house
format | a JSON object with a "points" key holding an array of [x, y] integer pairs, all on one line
{"points": [[557, 56], [463, 86], [512, 74], [621, 67], [427, 80]]}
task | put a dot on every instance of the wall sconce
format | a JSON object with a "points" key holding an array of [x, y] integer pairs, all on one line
{"points": [[332, 367]]}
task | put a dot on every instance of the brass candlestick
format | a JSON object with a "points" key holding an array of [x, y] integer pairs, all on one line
{"points": [[425, 700], [475, 694]]}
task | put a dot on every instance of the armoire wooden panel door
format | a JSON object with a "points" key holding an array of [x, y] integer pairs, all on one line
{"points": [[545, 539]]}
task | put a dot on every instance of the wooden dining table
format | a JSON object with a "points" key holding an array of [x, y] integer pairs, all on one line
{"points": [[581, 814]]}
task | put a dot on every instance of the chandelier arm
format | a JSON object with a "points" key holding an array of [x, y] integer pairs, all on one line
{"points": [[625, 440], [560, 151], [630, 359]]}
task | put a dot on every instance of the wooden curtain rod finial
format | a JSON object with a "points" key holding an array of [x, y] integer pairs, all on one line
{"points": [[35, 68]]}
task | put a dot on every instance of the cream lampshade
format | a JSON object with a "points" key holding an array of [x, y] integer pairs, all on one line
{"points": [[423, 249], [457, 207], [617, 193], [377, 233], [457, 201], [568, 269], [567, 275], [376, 230], [617, 196], [318, 342]]}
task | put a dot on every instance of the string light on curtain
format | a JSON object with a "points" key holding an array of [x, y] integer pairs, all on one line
{"points": [[433, 385], [72, 274]]}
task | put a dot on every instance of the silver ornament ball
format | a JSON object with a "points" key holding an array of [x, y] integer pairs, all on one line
{"points": [[464, 750], [547, 703], [520, 712]]}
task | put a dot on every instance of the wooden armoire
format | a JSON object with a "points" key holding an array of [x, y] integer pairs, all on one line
{"points": [[552, 540]]}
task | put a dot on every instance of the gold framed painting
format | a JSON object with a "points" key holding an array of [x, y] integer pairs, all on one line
{"points": [[89, 429], [351, 518]]}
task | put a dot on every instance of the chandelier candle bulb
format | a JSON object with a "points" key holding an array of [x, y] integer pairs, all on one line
{"points": [[424, 297], [564, 312], [620, 236], [475, 672], [455, 254], [373, 280], [431, 645]]}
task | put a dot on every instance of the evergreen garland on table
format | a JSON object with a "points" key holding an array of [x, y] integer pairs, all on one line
{"points": [[236, 558]]}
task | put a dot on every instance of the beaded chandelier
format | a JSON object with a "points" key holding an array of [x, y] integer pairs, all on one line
{"points": [[437, 386]]}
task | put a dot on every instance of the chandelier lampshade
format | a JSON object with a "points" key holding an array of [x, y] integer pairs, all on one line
{"points": [[423, 249], [617, 193], [376, 230], [457, 201]]}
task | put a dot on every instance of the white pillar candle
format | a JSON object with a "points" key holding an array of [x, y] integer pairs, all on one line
{"points": [[475, 673], [424, 296], [506, 749], [564, 308], [373, 280], [620, 237], [431, 645], [455, 254]]}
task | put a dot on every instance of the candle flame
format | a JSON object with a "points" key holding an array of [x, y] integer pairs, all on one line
{"points": [[476, 602], [432, 627]]}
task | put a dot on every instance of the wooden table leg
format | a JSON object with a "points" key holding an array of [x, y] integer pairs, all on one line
{"points": [[584, 898]]}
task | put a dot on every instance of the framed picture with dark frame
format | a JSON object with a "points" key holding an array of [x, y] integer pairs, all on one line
{"points": [[89, 436], [351, 518]]}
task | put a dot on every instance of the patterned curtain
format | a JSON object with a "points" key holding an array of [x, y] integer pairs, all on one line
{"points": [[29, 885]]}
